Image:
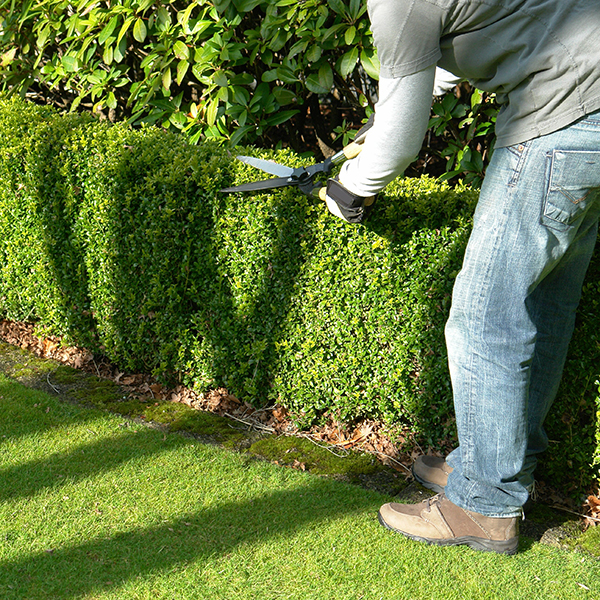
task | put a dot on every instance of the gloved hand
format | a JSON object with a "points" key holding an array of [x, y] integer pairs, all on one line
{"points": [[342, 203]]}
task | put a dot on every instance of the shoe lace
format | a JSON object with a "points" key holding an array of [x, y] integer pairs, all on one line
{"points": [[433, 500]]}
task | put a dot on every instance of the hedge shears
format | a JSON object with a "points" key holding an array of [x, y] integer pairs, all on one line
{"points": [[304, 178]]}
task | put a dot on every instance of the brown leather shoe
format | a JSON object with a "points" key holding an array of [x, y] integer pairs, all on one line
{"points": [[438, 521], [432, 472]]}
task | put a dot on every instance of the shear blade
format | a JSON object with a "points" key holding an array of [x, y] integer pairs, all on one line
{"points": [[256, 186], [268, 166]]}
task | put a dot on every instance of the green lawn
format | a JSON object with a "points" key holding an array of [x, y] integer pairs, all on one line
{"points": [[95, 507]]}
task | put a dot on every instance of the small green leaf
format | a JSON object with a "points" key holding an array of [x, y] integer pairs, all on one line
{"points": [[107, 56], [313, 84], [71, 64], [144, 4], [221, 5], [211, 112], [120, 50], [240, 133], [108, 29], [348, 62], [246, 5], [178, 119], [43, 36], [166, 79], [200, 27], [241, 95], [164, 18], [370, 63], [242, 79], [476, 98], [286, 75], [9, 56], [281, 117], [220, 79], [337, 6], [269, 76], [283, 96], [278, 42], [332, 31], [298, 48], [326, 76], [124, 28], [139, 30], [314, 53], [223, 94], [111, 101], [182, 68], [181, 51], [184, 17], [350, 35]]}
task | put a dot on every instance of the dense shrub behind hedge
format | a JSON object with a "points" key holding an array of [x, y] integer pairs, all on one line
{"points": [[119, 240], [213, 69], [266, 72]]}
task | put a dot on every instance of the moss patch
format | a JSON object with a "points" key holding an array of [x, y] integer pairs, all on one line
{"points": [[99, 392], [89, 390], [354, 467], [23, 365], [180, 417], [65, 375], [590, 541]]}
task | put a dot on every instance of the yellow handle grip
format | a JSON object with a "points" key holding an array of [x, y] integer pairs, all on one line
{"points": [[352, 150]]}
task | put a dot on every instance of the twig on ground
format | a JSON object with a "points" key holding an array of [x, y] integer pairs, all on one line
{"points": [[351, 442], [250, 424], [574, 512], [419, 447], [265, 409], [310, 439], [97, 369], [54, 388], [389, 458]]}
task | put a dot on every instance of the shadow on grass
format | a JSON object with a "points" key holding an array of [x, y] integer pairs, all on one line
{"points": [[56, 470], [26, 412], [73, 571], [111, 561]]}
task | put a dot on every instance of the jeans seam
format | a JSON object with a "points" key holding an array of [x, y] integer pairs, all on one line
{"points": [[523, 151], [476, 336]]}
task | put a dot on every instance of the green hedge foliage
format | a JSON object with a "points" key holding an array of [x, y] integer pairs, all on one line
{"points": [[227, 69], [118, 240]]}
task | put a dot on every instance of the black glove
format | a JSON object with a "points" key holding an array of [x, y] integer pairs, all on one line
{"points": [[342, 203]]}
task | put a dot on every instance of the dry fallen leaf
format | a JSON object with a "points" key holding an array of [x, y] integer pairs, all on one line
{"points": [[593, 508]]}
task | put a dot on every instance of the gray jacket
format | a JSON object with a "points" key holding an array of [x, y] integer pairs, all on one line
{"points": [[540, 57]]}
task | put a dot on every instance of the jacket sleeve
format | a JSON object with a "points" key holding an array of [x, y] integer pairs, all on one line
{"points": [[394, 141], [444, 82], [407, 34]]}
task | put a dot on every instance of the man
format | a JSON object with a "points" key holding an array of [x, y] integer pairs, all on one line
{"points": [[535, 227]]}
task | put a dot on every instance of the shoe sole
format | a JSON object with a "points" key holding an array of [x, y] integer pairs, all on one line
{"points": [[434, 487], [509, 547]]}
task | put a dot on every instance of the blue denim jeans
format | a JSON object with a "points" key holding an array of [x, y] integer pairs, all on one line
{"points": [[513, 310]]}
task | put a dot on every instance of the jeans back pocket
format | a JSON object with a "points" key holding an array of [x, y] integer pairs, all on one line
{"points": [[574, 185]]}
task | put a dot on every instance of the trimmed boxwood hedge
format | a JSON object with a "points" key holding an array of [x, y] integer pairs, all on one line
{"points": [[119, 240]]}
